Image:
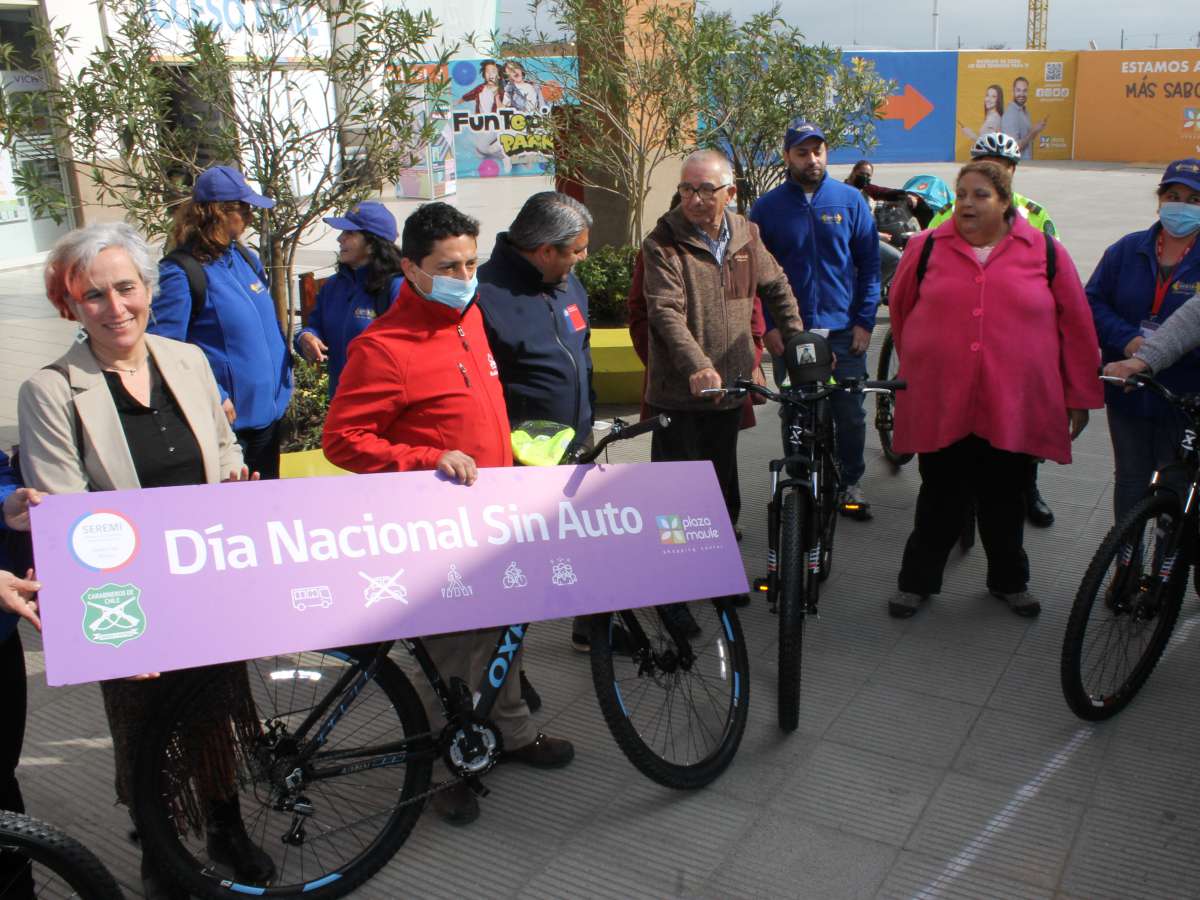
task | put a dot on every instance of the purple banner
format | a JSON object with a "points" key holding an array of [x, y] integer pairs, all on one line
{"points": [[170, 578]]}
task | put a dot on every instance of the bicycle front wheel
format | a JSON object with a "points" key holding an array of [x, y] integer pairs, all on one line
{"points": [[677, 713], [38, 860], [1125, 609], [790, 606], [230, 804], [885, 404]]}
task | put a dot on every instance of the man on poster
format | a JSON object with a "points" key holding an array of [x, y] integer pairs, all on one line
{"points": [[1016, 120]]}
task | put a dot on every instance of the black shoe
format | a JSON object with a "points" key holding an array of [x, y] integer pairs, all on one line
{"points": [[543, 753], [1039, 513], [531, 697], [737, 534], [229, 845], [456, 805], [738, 600]]}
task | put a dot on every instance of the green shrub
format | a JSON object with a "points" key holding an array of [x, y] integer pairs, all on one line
{"points": [[606, 275], [310, 402]]}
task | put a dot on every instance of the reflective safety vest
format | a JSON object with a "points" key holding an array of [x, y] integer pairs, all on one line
{"points": [[1033, 211]]}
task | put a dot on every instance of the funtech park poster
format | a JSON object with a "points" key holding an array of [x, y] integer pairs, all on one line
{"points": [[499, 114]]}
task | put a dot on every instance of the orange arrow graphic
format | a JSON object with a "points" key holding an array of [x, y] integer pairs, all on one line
{"points": [[910, 107]]}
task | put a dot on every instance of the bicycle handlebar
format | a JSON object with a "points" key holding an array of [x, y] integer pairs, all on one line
{"points": [[743, 386], [622, 432]]}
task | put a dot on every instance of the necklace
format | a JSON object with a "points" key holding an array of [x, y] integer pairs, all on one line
{"points": [[124, 370]]}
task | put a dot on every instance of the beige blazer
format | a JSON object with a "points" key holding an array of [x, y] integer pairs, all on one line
{"points": [[48, 404]]}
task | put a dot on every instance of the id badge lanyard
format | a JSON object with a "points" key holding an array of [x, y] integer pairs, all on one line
{"points": [[1162, 285]]}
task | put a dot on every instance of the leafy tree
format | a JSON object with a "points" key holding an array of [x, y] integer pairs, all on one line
{"points": [[632, 103], [759, 76], [317, 123]]}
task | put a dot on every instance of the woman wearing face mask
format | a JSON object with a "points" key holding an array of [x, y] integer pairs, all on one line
{"points": [[1142, 280]]}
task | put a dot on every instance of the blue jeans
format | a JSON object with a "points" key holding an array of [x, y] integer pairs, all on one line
{"points": [[849, 417], [1141, 446]]}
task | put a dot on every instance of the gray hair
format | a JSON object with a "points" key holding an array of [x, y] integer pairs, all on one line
{"points": [[706, 157], [77, 250], [549, 217]]}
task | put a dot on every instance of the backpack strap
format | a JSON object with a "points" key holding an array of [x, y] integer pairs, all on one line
{"points": [[1051, 258], [253, 263], [923, 261], [197, 280]]}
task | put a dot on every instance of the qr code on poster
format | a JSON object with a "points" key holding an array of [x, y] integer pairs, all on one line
{"points": [[1054, 71]]}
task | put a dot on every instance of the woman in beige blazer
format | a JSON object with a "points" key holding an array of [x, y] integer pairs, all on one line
{"points": [[125, 410]]}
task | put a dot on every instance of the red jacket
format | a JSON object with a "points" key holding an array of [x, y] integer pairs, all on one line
{"points": [[991, 350], [418, 382]]}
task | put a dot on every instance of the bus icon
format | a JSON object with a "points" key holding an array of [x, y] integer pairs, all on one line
{"points": [[303, 598]]}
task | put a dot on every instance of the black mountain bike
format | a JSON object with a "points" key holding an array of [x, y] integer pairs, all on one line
{"points": [[335, 770], [38, 860], [1130, 596], [885, 403], [802, 517]]}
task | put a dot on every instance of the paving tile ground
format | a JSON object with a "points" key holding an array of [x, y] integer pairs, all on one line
{"points": [[935, 756]]}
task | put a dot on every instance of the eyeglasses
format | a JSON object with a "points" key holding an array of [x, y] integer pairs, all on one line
{"points": [[706, 191]]}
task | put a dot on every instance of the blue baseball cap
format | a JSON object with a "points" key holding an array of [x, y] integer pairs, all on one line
{"points": [[799, 130], [369, 216], [1183, 171], [226, 183]]}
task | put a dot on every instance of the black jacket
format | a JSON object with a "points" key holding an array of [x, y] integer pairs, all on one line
{"points": [[541, 340]]}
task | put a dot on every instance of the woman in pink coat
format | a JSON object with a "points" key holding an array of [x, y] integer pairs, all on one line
{"points": [[1001, 365]]}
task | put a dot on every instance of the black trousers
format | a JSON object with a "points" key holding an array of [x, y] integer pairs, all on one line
{"points": [[15, 879], [260, 449], [708, 436], [950, 478]]}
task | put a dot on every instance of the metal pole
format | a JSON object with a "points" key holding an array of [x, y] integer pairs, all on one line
{"points": [[936, 28], [1122, 38]]}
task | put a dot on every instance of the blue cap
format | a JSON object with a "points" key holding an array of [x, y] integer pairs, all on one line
{"points": [[367, 216], [1183, 171], [226, 183], [799, 130]]}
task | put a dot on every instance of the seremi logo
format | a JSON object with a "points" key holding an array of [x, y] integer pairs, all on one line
{"points": [[670, 530], [1191, 117]]}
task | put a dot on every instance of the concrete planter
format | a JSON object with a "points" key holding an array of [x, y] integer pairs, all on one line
{"points": [[617, 371]]}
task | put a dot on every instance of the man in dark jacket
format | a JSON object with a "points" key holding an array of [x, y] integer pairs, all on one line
{"points": [[703, 267], [536, 313]]}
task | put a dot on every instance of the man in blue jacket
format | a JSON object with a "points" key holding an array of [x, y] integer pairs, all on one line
{"points": [[823, 234], [535, 312]]}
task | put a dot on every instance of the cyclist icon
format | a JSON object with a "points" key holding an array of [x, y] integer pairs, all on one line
{"points": [[514, 577]]}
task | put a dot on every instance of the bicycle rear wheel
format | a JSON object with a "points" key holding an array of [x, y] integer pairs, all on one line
{"points": [[224, 797], [793, 578], [885, 404], [1125, 609], [38, 860], [677, 713]]}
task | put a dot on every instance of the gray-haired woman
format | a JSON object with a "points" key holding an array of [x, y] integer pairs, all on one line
{"points": [[124, 410]]}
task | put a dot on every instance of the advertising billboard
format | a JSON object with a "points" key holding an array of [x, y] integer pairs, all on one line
{"points": [[917, 120], [1027, 94], [1154, 95]]}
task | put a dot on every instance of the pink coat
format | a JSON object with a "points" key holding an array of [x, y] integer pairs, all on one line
{"points": [[991, 350]]}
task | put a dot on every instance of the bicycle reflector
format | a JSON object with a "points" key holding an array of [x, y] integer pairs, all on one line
{"points": [[808, 359]]}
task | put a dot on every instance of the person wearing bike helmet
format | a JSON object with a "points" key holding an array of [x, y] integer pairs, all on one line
{"points": [[1006, 150]]}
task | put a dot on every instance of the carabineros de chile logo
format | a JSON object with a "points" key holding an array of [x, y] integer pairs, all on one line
{"points": [[112, 614]]}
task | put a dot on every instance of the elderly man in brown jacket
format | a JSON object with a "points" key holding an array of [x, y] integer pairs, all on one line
{"points": [[703, 267]]}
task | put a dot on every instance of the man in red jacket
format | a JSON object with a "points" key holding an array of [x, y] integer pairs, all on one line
{"points": [[421, 391]]}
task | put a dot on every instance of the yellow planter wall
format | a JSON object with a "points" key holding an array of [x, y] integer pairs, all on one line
{"points": [[617, 372]]}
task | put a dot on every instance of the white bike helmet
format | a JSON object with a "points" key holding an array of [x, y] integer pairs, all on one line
{"points": [[998, 144]]}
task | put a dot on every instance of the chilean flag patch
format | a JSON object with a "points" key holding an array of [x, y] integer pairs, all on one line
{"points": [[575, 317]]}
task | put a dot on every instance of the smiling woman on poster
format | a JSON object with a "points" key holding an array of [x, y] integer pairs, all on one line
{"points": [[993, 110]]}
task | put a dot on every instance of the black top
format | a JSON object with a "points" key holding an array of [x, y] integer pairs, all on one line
{"points": [[164, 450]]}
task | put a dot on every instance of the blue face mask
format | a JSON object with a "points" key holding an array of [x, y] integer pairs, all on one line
{"points": [[1180, 219], [453, 292]]}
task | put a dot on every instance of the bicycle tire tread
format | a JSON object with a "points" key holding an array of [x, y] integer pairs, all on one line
{"points": [[61, 853], [790, 607]]}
